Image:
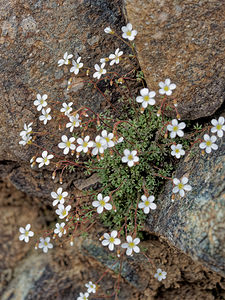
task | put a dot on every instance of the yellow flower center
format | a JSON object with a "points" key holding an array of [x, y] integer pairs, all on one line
{"points": [[45, 159], [107, 139], [102, 202], [111, 240], [147, 203], [129, 33], [42, 101], [175, 128], [160, 274], [68, 144], [180, 186], [64, 212], [45, 243], [177, 150], [166, 88], [130, 157], [100, 71], [219, 126], [208, 143], [131, 245], [85, 144], [146, 98], [26, 233], [46, 116], [78, 65], [61, 229], [98, 145], [60, 197]]}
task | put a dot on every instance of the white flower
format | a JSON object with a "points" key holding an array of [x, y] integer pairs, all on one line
{"points": [[175, 128], [131, 245], [63, 211], [111, 240], [83, 296], [209, 144], [108, 138], [77, 65], [99, 145], [108, 30], [100, 71], [65, 60], [181, 186], [27, 130], [102, 60], [177, 150], [219, 126], [160, 274], [45, 159], [74, 122], [45, 117], [166, 87], [147, 203], [102, 203], [26, 139], [66, 108], [67, 144], [26, 233], [128, 33], [41, 101], [130, 157], [60, 230], [45, 244], [146, 98], [91, 287], [59, 196], [84, 144], [115, 58]]}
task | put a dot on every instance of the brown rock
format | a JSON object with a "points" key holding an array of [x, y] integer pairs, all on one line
{"points": [[183, 41]]}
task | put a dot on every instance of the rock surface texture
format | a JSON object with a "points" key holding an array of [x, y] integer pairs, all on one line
{"points": [[196, 223], [183, 40]]}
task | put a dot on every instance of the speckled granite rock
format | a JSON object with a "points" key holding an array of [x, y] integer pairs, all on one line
{"points": [[183, 40], [196, 223]]}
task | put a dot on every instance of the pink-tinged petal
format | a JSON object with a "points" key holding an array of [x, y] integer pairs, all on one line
{"points": [[108, 206], [95, 203], [99, 209]]}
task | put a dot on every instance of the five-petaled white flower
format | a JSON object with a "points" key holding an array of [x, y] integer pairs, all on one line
{"points": [[65, 60], [102, 203], [175, 128], [91, 287], [45, 244], [181, 186], [83, 296], [66, 108], [115, 58], [108, 30], [219, 126], [63, 211], [131, 245], [108, 138], [26, 139], [177, 150], [60, 230], [130, 157], [74, 122], [45, 117], [27, 130], [160, 274], [40, 102], [147, 203], [166, 87], [99, 145], [100, 71], [26, 233], [77, 65], [146, 98], [111, 240], [209, 143], [59, 196], [67, 144], [84, 144], [128, 33], [45, 159]]}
